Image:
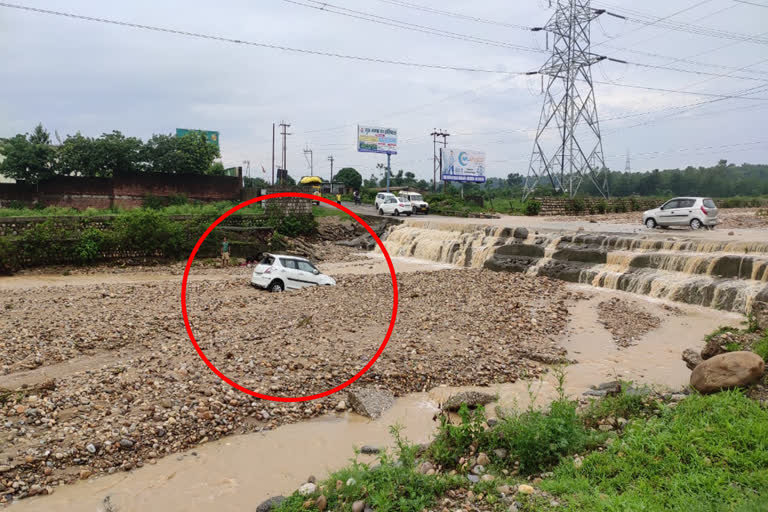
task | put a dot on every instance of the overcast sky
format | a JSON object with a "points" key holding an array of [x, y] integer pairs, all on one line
{"points": [[75, 75]]}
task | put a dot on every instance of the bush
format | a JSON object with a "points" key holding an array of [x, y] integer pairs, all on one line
{"points": [[578, 205], [602, 206], [532, 208], [619, 207], [89, 247], [538, 439], [453, 441], [9, 262], [293, 225], [149, 231], [153, 202]]}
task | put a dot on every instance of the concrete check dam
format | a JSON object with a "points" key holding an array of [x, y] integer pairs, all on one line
{"points": [[730, 276]]}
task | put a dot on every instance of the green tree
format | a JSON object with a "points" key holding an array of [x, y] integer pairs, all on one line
{"points": [[216, 169], [29, 157], [372, 182], [190, 154], [258, 183], [110, 154], [350, 178]]}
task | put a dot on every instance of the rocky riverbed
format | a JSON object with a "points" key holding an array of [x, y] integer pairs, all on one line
{"points": [[102, 378]]}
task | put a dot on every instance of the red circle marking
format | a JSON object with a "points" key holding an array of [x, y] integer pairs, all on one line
{"points": [[279, 398]]}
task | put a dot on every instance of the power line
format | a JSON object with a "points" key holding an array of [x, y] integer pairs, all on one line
{"points": [[649, 20], [750, 3], [374, 18], [224, 39], [250, 43], [451, 14]]}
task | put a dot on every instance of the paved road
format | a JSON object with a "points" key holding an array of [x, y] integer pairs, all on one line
{"points": [[545, 225]]}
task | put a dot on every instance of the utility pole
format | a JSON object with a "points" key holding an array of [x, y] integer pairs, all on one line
{"points": [[569, 105], [273, 154], [285, 134], [330, 159], [438, 158], [308, 151]]}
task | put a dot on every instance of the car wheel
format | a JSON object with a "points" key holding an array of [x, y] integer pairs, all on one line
{"points": [[381, 212], [276, 286], [650, 223], [695, 224], [407, 214], [397, 213]]}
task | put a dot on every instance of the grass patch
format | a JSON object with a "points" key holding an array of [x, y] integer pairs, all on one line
{"points": [[720, 330], [761, 347], [322, 211], [629, 403], [708, 453]]}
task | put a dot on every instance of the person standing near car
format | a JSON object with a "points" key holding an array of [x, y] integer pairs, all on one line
{"points": [[225, 253], [338, 197]]}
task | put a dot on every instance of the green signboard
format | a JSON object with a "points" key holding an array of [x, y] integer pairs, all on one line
{"points": [[212, 137]]}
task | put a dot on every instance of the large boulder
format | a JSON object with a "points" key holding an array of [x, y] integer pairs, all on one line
{"points": [[726, 371], [692, 358], [760, 308], [270, 504], [471, 398], [370, 402]]}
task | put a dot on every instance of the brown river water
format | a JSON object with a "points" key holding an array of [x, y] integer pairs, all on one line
{"points": [[239, 472]]}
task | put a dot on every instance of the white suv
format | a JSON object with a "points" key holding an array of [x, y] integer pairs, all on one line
{"points": [[694, 212], [381, 197], [278, 272], [417, 202], [395, 206]]}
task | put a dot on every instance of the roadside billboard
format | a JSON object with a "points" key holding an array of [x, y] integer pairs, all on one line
{"points": [[462, 165], [371, 139], [212, 137]]}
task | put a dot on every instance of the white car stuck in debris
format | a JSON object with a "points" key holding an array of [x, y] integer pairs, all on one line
{"points": [[279, 272]]}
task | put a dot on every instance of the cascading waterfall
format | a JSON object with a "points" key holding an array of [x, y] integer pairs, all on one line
{"points": [[722, 275]]}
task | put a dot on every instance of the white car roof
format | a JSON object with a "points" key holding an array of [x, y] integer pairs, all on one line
{"points": [[287, 256]]}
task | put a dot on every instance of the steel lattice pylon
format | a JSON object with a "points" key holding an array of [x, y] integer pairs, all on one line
{"points": [[568, 146]]}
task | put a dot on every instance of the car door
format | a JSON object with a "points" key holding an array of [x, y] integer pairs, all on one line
{"points": [[667, 212], [685, 212], [307, 273], [289, 273]]}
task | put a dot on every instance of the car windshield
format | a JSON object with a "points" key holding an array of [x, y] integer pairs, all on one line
{"points": [[708, 203]]}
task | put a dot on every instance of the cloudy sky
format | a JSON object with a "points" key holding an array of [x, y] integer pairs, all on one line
{"points": [[74, 75]]}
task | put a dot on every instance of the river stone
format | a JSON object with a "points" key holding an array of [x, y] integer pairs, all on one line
{"points": [[692, 358], [521, 233], [370, 402], [471, 398], [307, 489], [725, 371], [714, 347], [270, 504]]}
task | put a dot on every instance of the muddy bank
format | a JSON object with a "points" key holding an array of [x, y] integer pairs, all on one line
{"points": [[224, 474]]}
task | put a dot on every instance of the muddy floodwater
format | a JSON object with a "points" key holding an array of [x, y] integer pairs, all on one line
{"points": [[238, 472]]}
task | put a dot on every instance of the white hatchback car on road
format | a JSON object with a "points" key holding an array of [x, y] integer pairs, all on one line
{"points": [[395, 206], [381, 197], [694, 212], [278, 272]]}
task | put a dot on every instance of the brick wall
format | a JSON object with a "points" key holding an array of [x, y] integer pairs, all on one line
{"points": [[124, 190]]}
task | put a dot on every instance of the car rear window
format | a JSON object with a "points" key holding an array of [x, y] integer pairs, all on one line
{"points": [[709, 203], [268, 260]]}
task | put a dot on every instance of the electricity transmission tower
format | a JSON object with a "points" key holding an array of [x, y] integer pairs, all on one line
{"points": [[568, 147], [628, 164]]}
